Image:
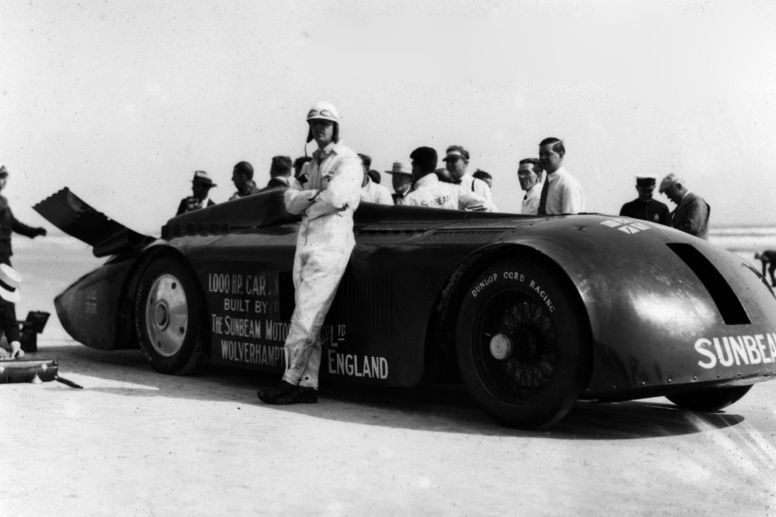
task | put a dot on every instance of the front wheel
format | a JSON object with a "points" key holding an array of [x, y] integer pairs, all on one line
{"points": [[522, 344], [709, 399], [170, 318]]}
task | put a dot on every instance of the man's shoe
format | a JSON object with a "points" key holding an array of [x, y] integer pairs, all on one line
{"points": [[287, 393]]}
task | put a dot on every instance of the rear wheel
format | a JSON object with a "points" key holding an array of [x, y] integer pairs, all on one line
{"points": [[522, 345], [170, 317], [709, 399]]}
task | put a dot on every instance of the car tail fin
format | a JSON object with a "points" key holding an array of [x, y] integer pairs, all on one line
{"points": [[73, 216]]}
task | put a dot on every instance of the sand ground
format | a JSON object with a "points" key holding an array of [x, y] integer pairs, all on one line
{"points": [[136, 443]]}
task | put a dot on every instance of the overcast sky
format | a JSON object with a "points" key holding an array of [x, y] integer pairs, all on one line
{"points": [[122, 101]]}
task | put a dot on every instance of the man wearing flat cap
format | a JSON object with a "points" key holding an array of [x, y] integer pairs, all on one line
{"points": [[692, 211], [456, 161], [200, 188], [645, 207]]}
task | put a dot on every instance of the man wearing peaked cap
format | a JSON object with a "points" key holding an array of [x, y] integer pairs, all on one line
{"points": [[456, 161], [10, 281], [645, 207], [401, 180], [324, 242], [430, 192], [200, 188], [692, 211]]}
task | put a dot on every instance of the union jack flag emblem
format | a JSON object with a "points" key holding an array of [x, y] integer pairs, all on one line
{"points": [[625, 225]]}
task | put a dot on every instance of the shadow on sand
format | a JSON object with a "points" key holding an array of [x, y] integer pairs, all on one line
{"points": [[438, 408]]}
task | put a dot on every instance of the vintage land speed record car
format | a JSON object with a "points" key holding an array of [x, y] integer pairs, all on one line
{"points": [[530, 313]]}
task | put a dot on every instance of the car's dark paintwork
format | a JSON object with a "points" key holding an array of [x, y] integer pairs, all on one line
{"points": [[649, 292]]}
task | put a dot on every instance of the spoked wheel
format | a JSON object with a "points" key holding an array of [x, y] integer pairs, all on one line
{"points": [[169, 317], [709, 399], [521, 344]]}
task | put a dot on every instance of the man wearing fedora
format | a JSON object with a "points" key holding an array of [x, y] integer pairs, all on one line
{"points": [[401, 180], [9, 295], [371, 191], [692, 211], [200, 188], [324, 242], [645, 207]]}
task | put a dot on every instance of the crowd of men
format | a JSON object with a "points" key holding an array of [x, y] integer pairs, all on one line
{"points": [[549, 187]]}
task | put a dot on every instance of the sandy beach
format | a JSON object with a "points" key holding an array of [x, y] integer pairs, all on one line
{"points": [[136, 443]]}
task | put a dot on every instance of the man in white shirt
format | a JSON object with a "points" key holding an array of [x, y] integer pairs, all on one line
{"points": [[529, 174], [430, 192], [561, 193], [456, 161], [372, 192]]}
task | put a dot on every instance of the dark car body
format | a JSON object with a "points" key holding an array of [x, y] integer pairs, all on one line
{"points": [[657, 311]]}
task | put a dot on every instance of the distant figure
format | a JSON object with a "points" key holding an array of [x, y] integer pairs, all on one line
{"points": [[529, 174], [561, 192], [768, 258], [9, 224], [430, 192], [375, 176], [401, 179], [484, 176], [644, 207], [10, 292], [242, 177], [692, 211], [200, 189], [279, 174], [9, 295], [372, 192], [457, 160], [300, 176]]}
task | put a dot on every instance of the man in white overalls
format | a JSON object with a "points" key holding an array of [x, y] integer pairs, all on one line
{"points": [[326, 201]]}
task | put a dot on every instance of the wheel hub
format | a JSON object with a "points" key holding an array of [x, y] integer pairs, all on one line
{"points": [[166, 315], [517, 351], [500, 347], [161, 315]]}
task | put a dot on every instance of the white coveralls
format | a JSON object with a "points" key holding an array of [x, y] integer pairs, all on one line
{"points": [[431, 192], [323, 248]]}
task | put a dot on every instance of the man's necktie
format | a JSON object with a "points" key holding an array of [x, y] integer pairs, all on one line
{"points": [[543, 198]]}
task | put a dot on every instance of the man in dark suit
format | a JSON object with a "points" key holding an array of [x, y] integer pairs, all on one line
{"points": [[692, 211], [644, 207], [279, 174]]}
